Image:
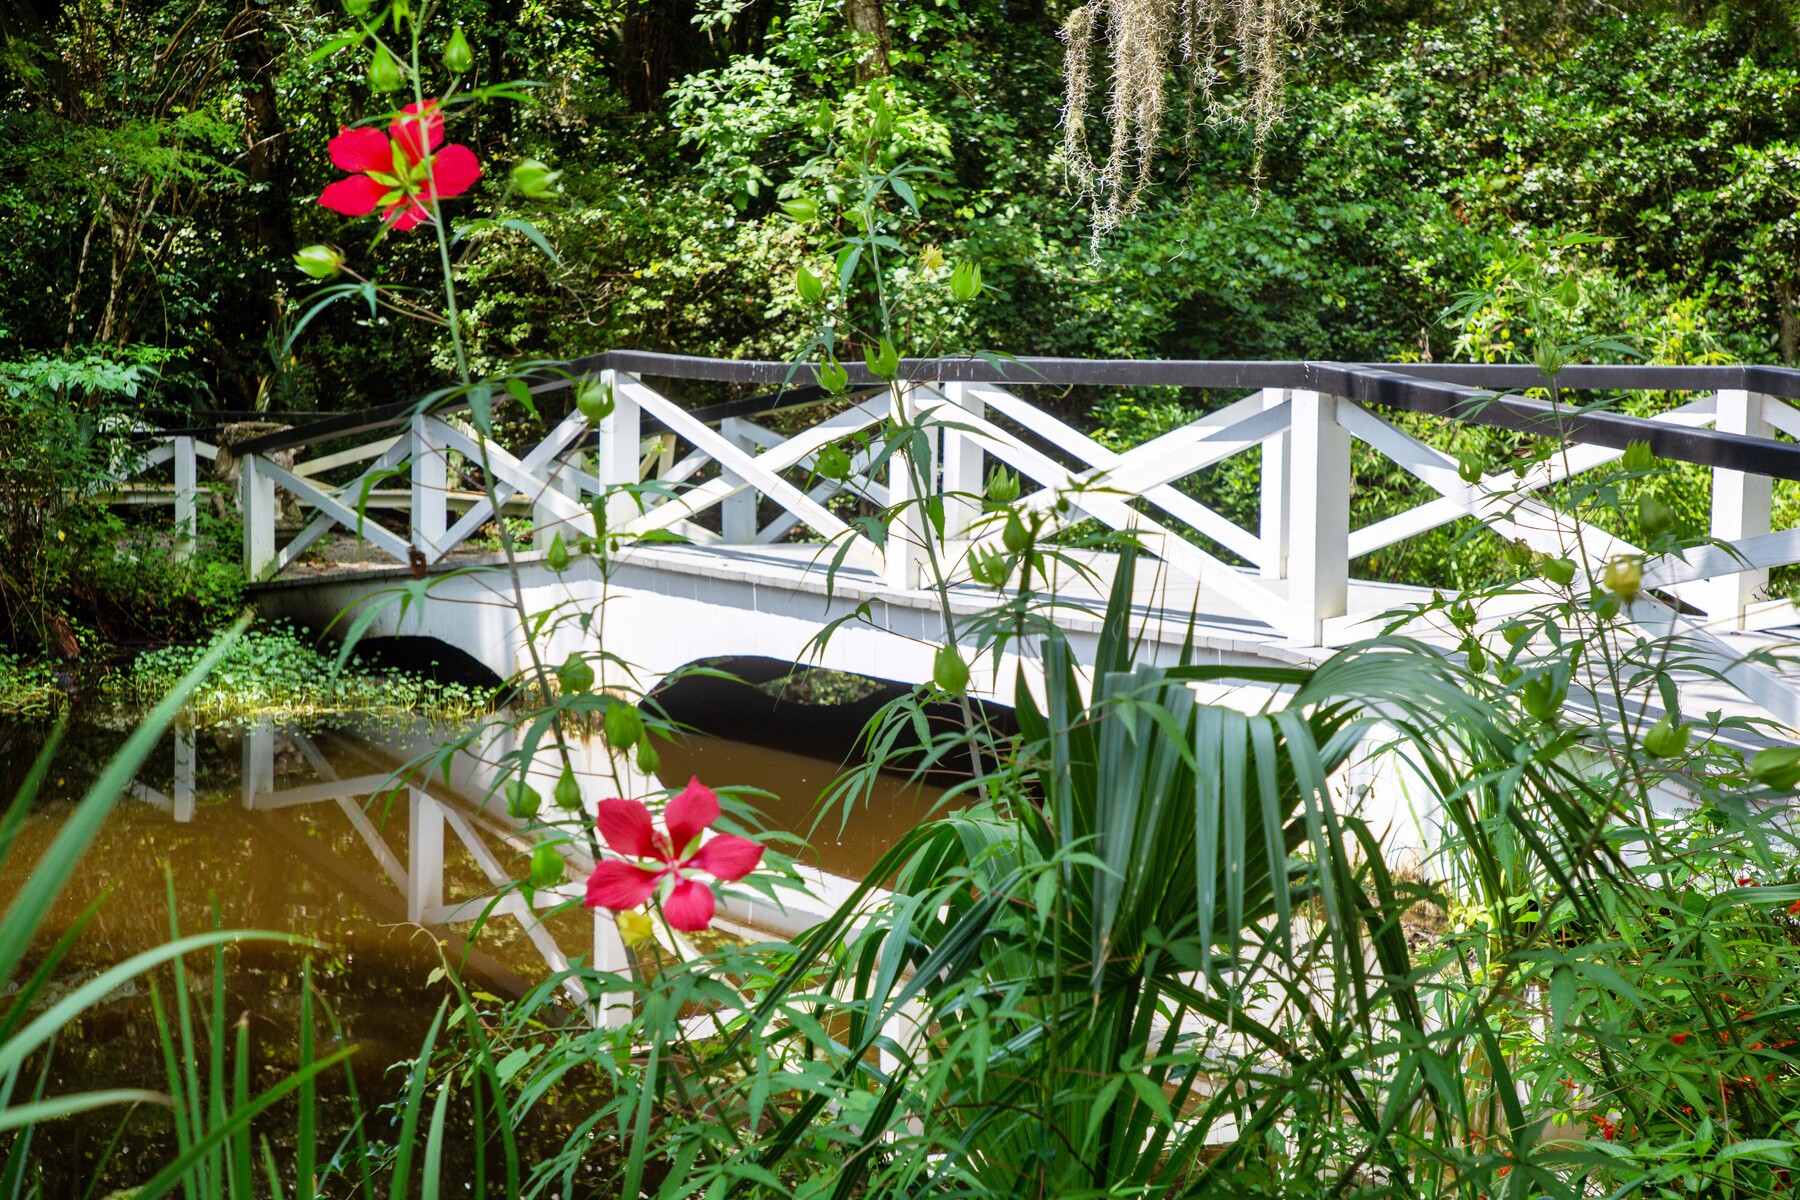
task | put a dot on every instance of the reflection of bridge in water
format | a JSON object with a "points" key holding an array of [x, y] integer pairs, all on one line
{"points": [[448, 860]]}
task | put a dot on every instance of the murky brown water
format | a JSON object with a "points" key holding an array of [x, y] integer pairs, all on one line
{"points": [[286, 857]]}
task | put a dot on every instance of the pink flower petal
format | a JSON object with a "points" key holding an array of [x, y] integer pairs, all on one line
{"points": [[689, 906], [405, 215], [362, 149], [619, 885], [690, 813], [416, 124], [454, 170], [728, 856], [355, 196], [625, 824]]}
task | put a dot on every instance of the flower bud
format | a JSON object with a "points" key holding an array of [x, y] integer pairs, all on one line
{"points": [[576, 675], [1560, 571], [810, 286], [547, 866], [522, 800], [965, 281], [1777, 768], [648, 758], [624, 725], [883, 361], [320, 262], [1666, 738], [384, 72], [949, 671], [534, 180], [594, 399], [832, 463], [832, 376], [557, 557], [1013, 534], [458, 58], [567, 795], [357, 8], [1002, 486], [1654, 517], [1623, 577]]}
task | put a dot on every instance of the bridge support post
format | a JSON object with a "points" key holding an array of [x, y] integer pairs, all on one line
{"points": [[1318, 517], [424, 855], [963, 463], [187, 528], [430, 487], [737, 512], [258, 501], [903, 568], [1740, 509], [617, 439], [1277, 472]]}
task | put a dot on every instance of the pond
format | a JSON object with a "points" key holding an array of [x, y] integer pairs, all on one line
{"points": [[300, 833]]}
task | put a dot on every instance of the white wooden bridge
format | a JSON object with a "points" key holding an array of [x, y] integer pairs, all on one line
{"points": [[764, 551], [750, 533]]}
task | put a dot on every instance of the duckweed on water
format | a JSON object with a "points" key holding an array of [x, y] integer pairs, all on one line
{"points": [[272, 673]]}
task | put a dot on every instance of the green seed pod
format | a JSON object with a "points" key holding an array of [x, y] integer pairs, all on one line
{"points": [[1515, 632], [832, 376], [1777, 768], [1517, 552], [648, 759], [810, 286], [547, 866], [1560, 571], [567, 794], [576, 675], [1666, 738], [832, 463], [534, 180], [522, 800], [1002, 486], [624, 725], [1013, 535], [557, 557], [594, 399], [384, 72], [320, 262], [1624, 576], [1542, 698], [1654, 517], [949, 671], [458, 58]]}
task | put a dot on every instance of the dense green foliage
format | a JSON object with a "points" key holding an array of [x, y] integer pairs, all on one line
{"points": [[161, 162]]}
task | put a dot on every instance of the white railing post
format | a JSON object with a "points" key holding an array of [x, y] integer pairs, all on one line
{"points": [[617, 443], [737, 512], [963, 463], [1318, 517], [904, 554], [1277, 470], [424, 855], [612, 1009], [1740, 509], [187, 526], [257, 762], [430, 488], [258, 500]]}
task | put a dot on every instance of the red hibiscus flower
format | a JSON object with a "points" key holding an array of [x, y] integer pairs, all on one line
{"points": [[627, 828], [402, 172]]}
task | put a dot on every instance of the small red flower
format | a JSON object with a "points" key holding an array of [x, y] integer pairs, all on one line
{"points": [[1794, 907], [1679, 1038], [397, 171], [628, 830]]}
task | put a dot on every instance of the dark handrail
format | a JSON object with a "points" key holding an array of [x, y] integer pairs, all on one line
{"points": [[1458, 391]]}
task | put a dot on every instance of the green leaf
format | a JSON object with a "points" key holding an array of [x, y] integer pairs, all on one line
{"points": [[531, 232]]}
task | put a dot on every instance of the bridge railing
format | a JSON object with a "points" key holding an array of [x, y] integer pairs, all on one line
{"points": [[728, 476]]}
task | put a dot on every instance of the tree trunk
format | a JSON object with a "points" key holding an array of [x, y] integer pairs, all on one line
{"points": [[868, 21], [659, 44]]}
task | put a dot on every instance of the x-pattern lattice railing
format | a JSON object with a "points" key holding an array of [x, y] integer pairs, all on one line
{"points": [[723, 477]]}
